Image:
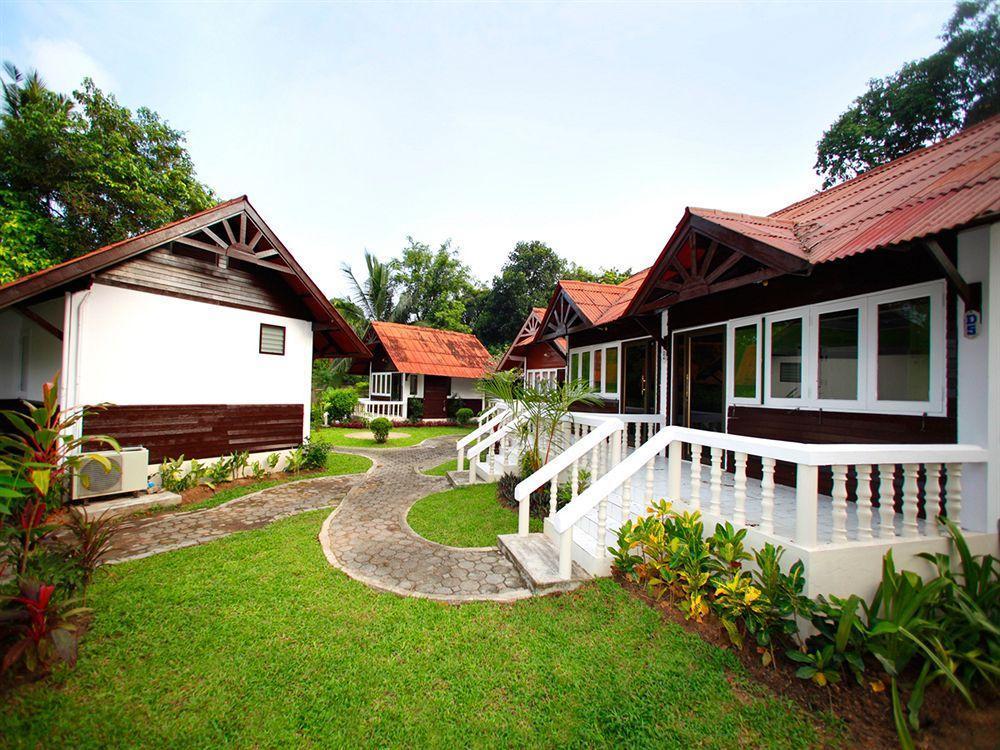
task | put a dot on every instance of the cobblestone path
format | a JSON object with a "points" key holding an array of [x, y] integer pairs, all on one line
{"points": [[368, 538], [143, 537]]}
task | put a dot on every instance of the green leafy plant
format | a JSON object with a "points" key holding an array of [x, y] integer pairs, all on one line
{"points": [[294, 460], [257, 470], [217, 473], [740, 606], [314, 454], [40, 630], [838, 624], [415, 408], [726, 546], [339, 403], [238, 461], [89, 540], [820, 666], [173, 477], [783, 592], [380, 428], [464, 416], [505, 489], [272, 460]]}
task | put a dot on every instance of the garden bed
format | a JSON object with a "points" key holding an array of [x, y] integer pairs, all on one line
{"points": [[947, 722]]}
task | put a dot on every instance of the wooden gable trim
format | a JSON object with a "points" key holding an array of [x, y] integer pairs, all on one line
{"points": [[562, 317]]}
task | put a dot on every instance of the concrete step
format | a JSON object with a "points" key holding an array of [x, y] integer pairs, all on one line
{"points": [[537, 559], [458, 478], [126, 506]]}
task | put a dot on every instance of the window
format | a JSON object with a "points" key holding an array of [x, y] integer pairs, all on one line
{"points": [[744, 363], [414, 383], [611, 370], [381, 384], [785, 359], [596, 366], [272, 339], [904, 350], [882, 352], [838, 347]]}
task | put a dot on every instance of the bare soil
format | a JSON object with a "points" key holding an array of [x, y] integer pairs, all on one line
{"points": [[947, 721]]}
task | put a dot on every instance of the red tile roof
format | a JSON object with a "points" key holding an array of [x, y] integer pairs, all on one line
{"points": [[431, 351], [948, 185], [602, 303]]}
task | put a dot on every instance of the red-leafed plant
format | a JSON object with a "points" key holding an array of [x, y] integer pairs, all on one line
{"points": [[36, 460], [36, 631]]}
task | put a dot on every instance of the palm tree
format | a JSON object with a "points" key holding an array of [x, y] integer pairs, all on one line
{"points": [[375, 297], [541, 409]]}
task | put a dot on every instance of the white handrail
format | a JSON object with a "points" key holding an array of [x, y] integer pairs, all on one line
{"points": [[494, 438], [564, 460], [489, 412], [484, 428]]}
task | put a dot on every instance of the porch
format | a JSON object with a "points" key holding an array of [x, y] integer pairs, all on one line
{"points": [[848, 506]]}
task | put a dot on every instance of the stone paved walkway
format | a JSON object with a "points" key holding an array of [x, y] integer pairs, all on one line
{"points": [[148, 536], [368, 538]]}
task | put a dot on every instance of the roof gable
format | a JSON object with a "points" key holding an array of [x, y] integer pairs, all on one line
{"points": [[432, 351], [230, 230]]}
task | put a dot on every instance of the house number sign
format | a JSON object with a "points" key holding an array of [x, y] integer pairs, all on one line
{"points": [[972, 323]]}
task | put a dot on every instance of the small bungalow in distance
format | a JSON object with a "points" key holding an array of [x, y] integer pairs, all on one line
{"points": [[542, 362], [200, 334], [419, 362]]}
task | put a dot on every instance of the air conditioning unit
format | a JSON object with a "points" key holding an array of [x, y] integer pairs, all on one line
{"points": [[129, 469]]}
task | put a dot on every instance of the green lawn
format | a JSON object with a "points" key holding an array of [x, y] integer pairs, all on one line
{"points": [[442, 469], [338, 436], [464, 517], [256, 641], [336, 464]]}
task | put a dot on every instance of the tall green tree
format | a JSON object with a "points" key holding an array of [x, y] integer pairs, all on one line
{"points": [[376, 296], [922, 102], [81, 171], [437, 284]]}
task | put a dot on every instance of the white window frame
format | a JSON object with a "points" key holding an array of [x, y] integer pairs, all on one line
{"points": [[413, 378], [867, 400], [381, 384], [589, 376], [548, 375], [841, 404], [805, 396], [936, 403], [731, 327]]}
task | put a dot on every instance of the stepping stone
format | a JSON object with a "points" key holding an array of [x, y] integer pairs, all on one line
{"points": [[537, 559], [124, 506]]}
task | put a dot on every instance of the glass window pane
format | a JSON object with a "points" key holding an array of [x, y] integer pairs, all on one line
{"points": [[786, 358], [904, 350], [838, 355], [574, 366], [597, 369], [585, 368], [745, 361], [611, 370]]}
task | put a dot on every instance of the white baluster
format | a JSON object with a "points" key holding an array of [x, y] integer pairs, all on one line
{"points": [[932, 495], [649, 480], [674, 470], [740, 489], [806, 505], [695, 477], [886, 500], [626, 498], [839, 506], [473, 457], [595, 454], [767, 495], [911, 473], [553, 496], [716, 474], [953, 494], [575, 479], [602, 527], [863, 472], [490, 463]]}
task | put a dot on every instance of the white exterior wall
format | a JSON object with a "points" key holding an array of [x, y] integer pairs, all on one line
{"points": [[466, 388], [22, 377], [138, 348], [978, 393]]}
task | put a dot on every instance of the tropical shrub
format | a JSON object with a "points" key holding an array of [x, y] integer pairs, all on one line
{"points": [[464, 416], [314, 454], [415, 408], [219, 472], [505, 489], [451, 405], [339, 403], [238, 461], [257, 470], [36, 630], [89, 540], [272, 460], [380, 428], [293, 460]]}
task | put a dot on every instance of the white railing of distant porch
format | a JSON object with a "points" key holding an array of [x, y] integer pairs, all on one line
{"points": [[371, 408], [882, 507]]}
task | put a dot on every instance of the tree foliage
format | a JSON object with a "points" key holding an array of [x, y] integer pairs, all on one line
{"points": [[376, 296], [81, 171], [436, 283], [924, 101]]}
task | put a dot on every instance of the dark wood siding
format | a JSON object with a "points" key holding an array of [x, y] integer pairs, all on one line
{"points": [[542, 357], [179, 273], [200, 431], [436, 390]]}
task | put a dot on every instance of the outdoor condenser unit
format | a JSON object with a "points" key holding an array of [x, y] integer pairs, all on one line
{"points": [[128, 474]]}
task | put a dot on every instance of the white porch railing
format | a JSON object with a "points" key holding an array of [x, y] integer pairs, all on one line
{"points": [[490, 412], [371, 408], [500, 416], [877, 491]]}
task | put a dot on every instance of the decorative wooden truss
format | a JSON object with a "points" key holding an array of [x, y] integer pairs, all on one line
{"points": [[237, 237], [563, 317], [705, 258]]}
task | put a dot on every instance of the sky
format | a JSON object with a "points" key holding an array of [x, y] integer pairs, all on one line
{"points": [[588, 126]]}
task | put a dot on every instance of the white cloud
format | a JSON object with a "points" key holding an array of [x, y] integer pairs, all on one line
{"points": [[63, 64]]}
